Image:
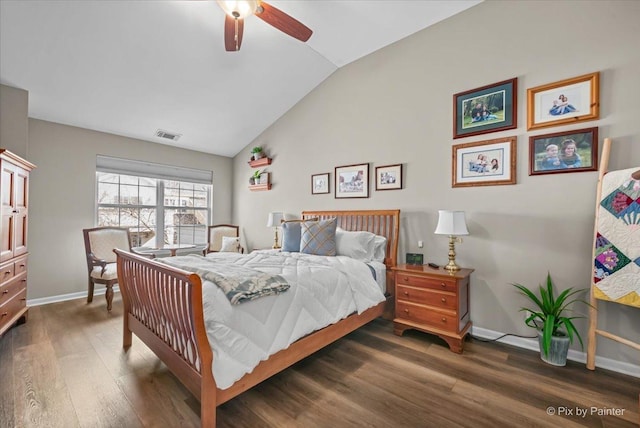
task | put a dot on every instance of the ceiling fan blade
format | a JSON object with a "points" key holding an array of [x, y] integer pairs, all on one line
{"points": [[283, 22], [233, 33]]}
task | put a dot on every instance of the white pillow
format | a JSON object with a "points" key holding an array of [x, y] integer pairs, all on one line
{"points": [[379, 248], [230, 244], [360, 245]]}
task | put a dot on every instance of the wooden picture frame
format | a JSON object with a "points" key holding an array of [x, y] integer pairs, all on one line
{"points": [[567, 101], [487, 109], [553, 154], [320, 184], [484, 163], [352, 181], [389, 177]]}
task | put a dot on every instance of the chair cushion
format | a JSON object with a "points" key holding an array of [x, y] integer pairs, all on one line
{"points": [[105, 240], [110, 272], [318, 237], [217, 233], [230, 245]]}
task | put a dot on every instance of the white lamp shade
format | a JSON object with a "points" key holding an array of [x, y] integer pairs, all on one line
{"points": [[275, 218], [451, 223]]}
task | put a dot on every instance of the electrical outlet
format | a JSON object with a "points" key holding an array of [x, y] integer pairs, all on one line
{"points": [[420, 244]]}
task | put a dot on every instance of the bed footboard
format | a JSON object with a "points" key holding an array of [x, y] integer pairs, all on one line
{"points": [[163, 307]]}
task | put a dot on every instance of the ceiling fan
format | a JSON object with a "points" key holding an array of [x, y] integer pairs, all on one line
{"points": [[237, 10]]}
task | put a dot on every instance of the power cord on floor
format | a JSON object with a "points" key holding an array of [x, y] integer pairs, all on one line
{"points": [[500, 337]]}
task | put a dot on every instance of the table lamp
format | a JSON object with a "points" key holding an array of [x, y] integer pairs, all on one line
{"points": [[451, 223], [275, 218]]}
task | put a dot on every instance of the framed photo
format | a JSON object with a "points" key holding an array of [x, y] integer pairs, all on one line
{"points": [[389, 177], [571, 151], [568, 101], [352, 181], [320, 183], [488, 109], [485, 163]]}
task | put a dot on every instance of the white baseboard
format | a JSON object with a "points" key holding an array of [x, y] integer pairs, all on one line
{"points": [[70, 296], [581, 357]]}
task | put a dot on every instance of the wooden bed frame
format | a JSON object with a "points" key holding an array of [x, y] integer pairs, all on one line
{"points": [[163, 307]]}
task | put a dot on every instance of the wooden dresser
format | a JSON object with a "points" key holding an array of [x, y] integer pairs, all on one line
{"points": [[433, 301], [14, 194]]}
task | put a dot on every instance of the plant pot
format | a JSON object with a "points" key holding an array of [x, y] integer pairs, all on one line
{"points": [[257, 156], [558, 350]]}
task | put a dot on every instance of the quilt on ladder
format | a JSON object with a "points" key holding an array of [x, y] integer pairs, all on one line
{"points": [[616, 274]]}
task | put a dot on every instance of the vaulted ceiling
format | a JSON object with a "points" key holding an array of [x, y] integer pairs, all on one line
{"points": [[134, 67]]}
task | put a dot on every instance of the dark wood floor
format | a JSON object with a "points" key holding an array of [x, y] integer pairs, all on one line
{"points": [[65, 368]]}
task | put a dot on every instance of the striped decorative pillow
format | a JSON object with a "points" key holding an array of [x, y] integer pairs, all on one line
{"points": [[318, 237], [292, 233]]}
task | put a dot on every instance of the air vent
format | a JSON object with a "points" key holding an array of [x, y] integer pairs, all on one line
{"points": [[168, 135]]}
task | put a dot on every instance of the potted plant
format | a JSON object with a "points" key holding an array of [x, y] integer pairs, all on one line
{"points": [[257, 152], [255, 178], [549, 317]]}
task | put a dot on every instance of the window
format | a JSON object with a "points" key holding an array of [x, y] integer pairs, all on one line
{"points": [[157, 211]]}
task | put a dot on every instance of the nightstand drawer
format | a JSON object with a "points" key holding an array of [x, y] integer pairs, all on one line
{"points": [[416, 313], [427, 297], [426, 282]]}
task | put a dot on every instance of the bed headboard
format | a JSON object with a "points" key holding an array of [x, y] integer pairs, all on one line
{"points": [[381, 222]]}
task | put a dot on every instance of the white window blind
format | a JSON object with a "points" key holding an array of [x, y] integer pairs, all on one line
{"points": [[153, 170]]}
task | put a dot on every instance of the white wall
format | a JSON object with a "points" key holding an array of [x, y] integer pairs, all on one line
{"points": [[395, 106], [14, 125], [62, 196]]}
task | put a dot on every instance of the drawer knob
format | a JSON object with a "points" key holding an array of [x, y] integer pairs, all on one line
{"points": [[5, 292], [23, 280], [406, 311], [444, 300], [7, 272], [22, 265], [443, 285], [406, 293], [4, 314], [406, 278], [444, 319]]}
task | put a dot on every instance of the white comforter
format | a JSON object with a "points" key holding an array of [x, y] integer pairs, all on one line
{"points": [[323, 291]]}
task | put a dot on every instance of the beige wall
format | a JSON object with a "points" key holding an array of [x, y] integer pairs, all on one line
{"points": [[14, 110], [395, 106], [63, 197]]}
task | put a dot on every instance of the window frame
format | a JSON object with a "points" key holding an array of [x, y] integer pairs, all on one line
{"points": [[159, 207]]}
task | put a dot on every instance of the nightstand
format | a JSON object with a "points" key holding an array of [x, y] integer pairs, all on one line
{"points": [[433, 301]]}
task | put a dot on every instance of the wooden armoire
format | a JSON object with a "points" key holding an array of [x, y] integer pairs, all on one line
{"points": [[14, 194]]}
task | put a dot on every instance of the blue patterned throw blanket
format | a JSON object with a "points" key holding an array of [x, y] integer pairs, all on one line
{"points": [[239, 283]]}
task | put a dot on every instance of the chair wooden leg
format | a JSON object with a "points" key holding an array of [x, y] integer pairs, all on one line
{"points": [[90, 293], [109, 296]]}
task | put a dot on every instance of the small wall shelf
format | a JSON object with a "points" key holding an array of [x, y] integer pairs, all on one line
{"points": [[260, 187], [260, 162]]}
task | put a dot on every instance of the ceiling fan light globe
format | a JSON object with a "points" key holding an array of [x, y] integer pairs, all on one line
{"points": [[239, 9]]}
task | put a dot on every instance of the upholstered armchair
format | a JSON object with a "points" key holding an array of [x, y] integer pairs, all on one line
{"points": [[224, 237], [99, 243]]}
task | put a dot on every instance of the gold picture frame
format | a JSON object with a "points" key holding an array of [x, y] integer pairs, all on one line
{"points": [[484, 163], [565, 102]]}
